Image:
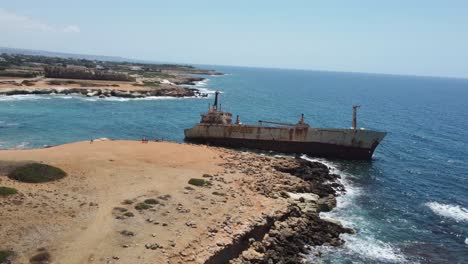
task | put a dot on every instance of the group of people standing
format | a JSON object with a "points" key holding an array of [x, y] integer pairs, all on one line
{"points": [[146, 140]]}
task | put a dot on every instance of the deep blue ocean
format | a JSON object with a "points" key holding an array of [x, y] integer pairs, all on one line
{"points": [[409, 204]]}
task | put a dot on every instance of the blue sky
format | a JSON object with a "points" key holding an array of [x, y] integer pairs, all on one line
{"points": [[397, 37]]}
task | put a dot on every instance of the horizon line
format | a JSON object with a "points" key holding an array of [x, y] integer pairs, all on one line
{"points": [[242, 66]]}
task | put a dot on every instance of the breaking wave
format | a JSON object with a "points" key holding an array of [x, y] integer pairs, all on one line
{"points": [[202, 86], [372, 248], [27, 97], [33, 97], [456, 212], [362, 245], [22, 145]]}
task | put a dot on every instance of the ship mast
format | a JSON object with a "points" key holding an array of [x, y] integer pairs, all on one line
{"points": [[355, 107], [215, 104]]}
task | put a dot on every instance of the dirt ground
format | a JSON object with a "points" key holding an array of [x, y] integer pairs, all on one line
{"points": [[90, 216]]}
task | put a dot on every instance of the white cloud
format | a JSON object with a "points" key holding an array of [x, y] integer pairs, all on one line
{"points": [[71, 29], [13, 21]]}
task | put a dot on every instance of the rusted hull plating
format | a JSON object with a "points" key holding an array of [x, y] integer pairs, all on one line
{"points": [[335, 143]]}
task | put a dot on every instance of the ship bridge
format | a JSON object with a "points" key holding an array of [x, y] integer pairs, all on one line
{"points": [[215, 116]]}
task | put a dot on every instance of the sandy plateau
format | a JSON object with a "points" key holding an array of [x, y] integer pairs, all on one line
{"points": [[245, 216]]}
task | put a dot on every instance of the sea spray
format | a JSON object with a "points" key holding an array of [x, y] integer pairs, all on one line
{"points": [[456, 212], [362, 246]]}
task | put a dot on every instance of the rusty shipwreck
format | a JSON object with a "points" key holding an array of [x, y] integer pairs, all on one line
{"points": [[216, 128]]}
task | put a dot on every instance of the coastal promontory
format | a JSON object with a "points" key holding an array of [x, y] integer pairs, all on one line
{"points": [[40, 75], [106, 201]]}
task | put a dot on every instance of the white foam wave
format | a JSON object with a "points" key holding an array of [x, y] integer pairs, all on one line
{"points": [[352, 192], [456, 212], [122, 99], [363, 243], [206, 91], [95, 99], [372, 248], [202, 83], [202, 86], [22, 145], [25, 97], [8, 124]]}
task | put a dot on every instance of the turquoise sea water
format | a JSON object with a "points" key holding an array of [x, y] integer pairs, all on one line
{"points": [[410, 204]]}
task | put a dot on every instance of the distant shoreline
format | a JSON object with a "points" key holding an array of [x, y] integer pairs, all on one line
{"points": [[31, 74], [101, 89]]}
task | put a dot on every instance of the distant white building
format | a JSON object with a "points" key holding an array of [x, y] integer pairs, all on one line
{"points": [[166, 82], [2, 59], [135, 68]]}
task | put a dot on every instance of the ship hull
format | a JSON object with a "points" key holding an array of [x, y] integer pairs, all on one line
{"points": [[332, 143]]}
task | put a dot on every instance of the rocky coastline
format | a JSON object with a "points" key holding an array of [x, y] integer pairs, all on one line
{"points": [[170, 203], [179, 88], [288, 235], [104, 93]]}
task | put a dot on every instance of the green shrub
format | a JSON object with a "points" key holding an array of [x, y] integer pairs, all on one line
{"points": [[19, 74], [151, 201], [120, 209], [129, 214], [146, 83], [199, 182], [5, 255], [4, 191], [127, 201], [41, 257], [36, 173], [142, 206]]}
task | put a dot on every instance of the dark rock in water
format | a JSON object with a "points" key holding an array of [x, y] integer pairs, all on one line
{"points": [[287, 241], [326, 204], [287, 235], [314, 172]]}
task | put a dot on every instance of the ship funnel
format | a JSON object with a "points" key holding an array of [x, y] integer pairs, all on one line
{"points": [[355, 107], [238, 120], [215, 104]]}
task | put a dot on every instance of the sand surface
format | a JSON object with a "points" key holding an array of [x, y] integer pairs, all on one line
{"points": [[80, 218]]}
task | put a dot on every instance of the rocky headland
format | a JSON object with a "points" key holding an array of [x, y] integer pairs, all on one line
{"points": [[162, 202], [28, 74], [180, 87]]}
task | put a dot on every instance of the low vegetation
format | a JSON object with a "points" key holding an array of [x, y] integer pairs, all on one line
{"points": [[81, 72], [143, 206], [37, 173], [18, 74], [151, 201], [199, 182], [5, 191], [129, 214], [127, 201], [5, 256], [41, 257], [156, 75], [15, 64], [120, 209]]}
